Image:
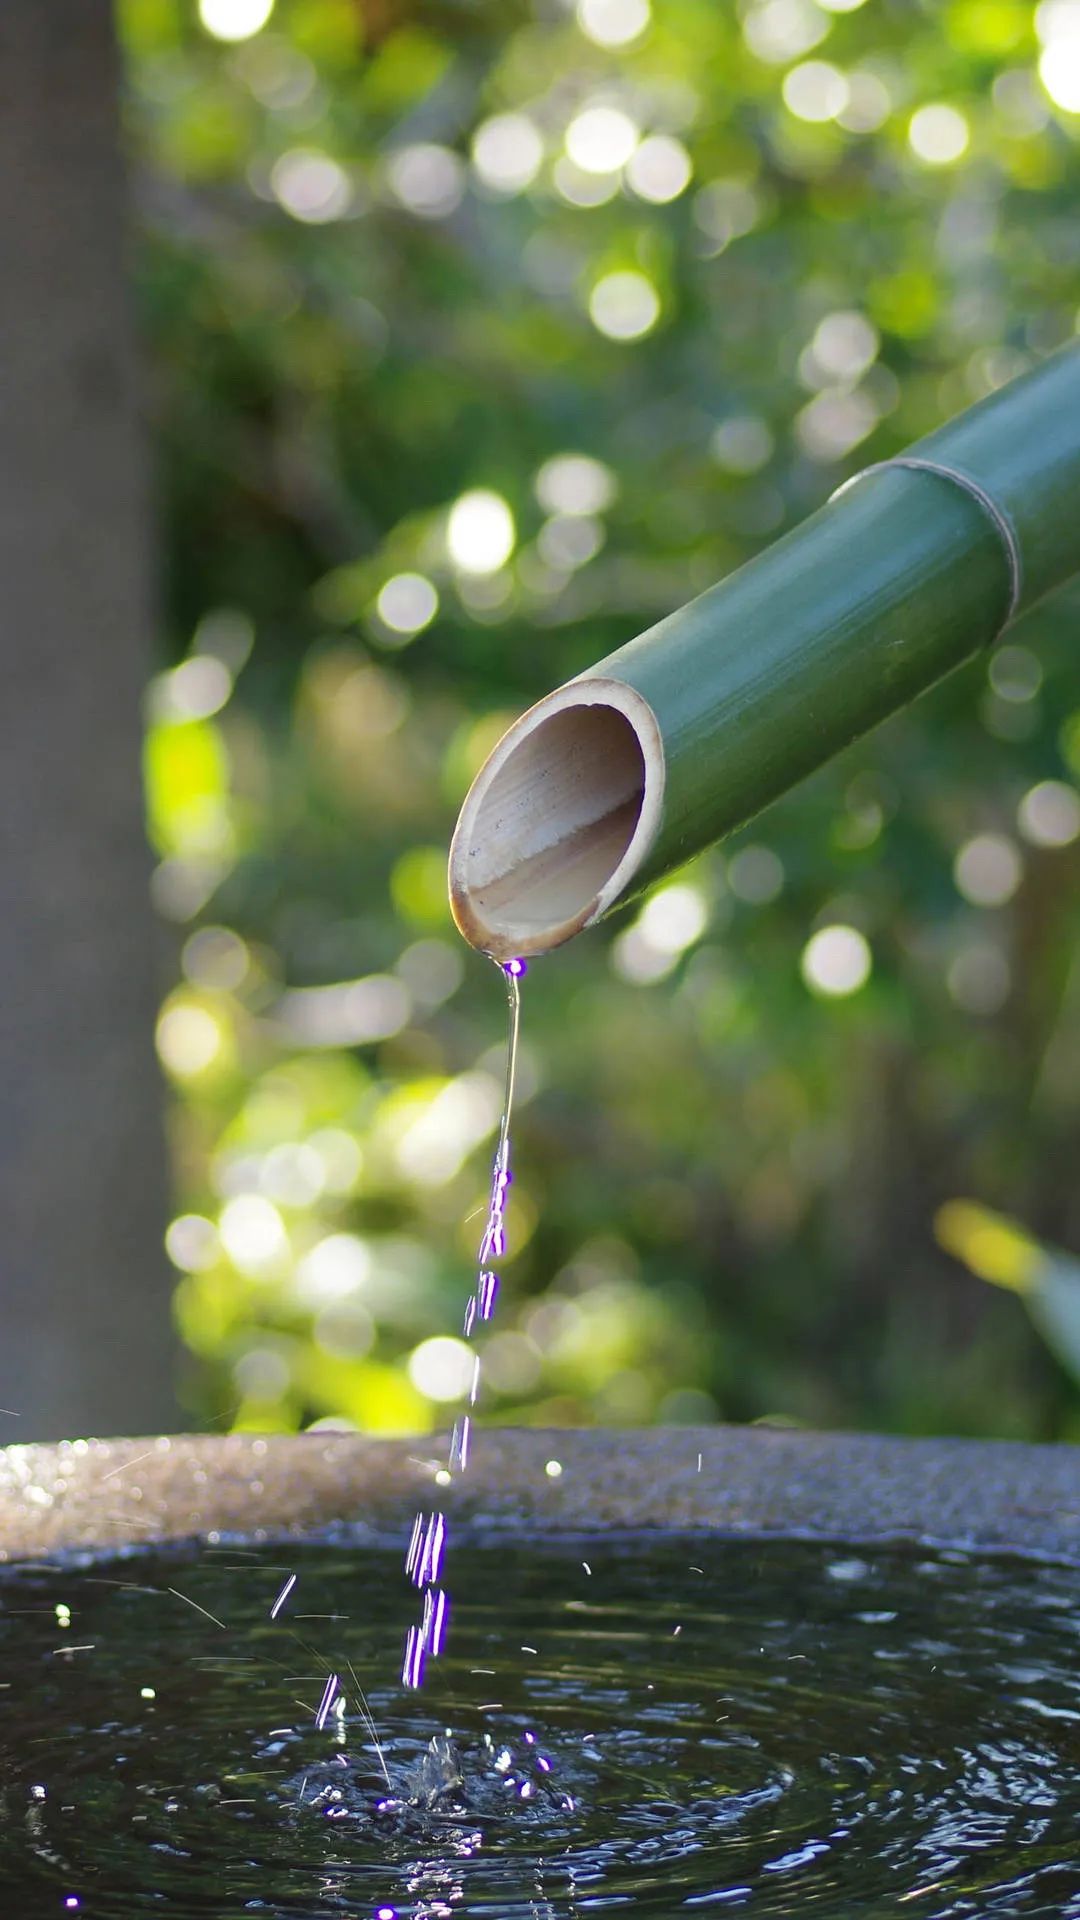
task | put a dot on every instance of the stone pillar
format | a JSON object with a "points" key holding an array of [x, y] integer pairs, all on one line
{"points": [[85, 1340]]}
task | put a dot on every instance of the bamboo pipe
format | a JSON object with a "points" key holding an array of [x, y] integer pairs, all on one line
{"points": [[686, 732]]}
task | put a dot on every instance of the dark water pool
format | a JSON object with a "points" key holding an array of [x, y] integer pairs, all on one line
{"points": [[655, 1729]]}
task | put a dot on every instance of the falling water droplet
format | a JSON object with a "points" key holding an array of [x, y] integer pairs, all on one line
{"points": [[427, 1543]]}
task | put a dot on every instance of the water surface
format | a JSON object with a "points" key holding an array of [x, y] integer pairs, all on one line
{"points": [[660, 1728]]}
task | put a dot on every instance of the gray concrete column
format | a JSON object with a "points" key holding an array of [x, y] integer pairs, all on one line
{"points": [[85, 1342]]}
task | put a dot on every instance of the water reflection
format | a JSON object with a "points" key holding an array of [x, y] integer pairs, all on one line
{"points": [[700, 1724]]}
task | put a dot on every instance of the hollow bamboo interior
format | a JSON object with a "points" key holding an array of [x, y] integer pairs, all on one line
{"points": [[558, 820]]}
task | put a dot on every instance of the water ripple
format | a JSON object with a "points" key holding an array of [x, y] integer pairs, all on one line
{"points": [[677, 1724]]}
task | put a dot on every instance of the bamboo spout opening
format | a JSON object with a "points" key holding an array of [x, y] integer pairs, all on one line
{"points": [[558, 820]]}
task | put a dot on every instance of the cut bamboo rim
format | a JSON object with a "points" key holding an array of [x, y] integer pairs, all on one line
{"points": [[558, 820]]}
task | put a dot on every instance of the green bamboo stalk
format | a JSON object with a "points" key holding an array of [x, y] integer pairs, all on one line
{"points": [[898, 579]]}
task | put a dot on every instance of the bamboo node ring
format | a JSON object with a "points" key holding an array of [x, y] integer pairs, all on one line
{"points": [[994, 512]]}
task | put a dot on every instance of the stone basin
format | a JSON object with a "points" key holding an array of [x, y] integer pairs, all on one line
{"points": [[764, 1720], [106, 1496]]}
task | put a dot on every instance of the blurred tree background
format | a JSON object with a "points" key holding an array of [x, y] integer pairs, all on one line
{"points": [[480, 335]]}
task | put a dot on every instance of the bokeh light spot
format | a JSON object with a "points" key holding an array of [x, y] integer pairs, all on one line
{"points": [[253, 1234], [292, 1174], [845, 344], [194, 690], [310, 186], [480, 532], [407, 603], [341, 1158], [624, 306], [988, 870], [938, 135], [1015, 673], [262, 1374], [581, 189], [636, 960], [226, 634], [834, 422], [836, 961], [613, 23], [815, 91], [234, 19], [1018, 101], [350, 1013], [568, 541], [674, 918], [507, 152], [1059, 63], [432, 970], [189, 1040], [441, 1368], [191, 1242], [427, 179], [726, 209], [869, 102], [780, 30], [334, 1268], [744, 444], [660, 169], [601, 139], [436, 1144], [756, 875], [575, 483], [215, 958], [1049, 814]]}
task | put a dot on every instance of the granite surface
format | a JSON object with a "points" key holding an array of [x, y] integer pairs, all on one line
{"points": [[106, 1496]]}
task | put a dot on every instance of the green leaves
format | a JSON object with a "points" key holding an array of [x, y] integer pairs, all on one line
{"points": [[1046, 1279], [348, 328]]}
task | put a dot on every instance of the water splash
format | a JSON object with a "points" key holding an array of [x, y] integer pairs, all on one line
{"points": [[327, 1701], [427, 1543], [283, 1596]]}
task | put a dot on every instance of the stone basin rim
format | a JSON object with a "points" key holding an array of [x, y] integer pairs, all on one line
{"points": [[101, 1497]]}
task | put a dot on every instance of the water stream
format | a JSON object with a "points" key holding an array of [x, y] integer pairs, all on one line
{"points": [[428, 1540]]}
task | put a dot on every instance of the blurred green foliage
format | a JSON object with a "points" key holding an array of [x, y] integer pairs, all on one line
{"points": [[1044, 1278], [393, 254]]}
